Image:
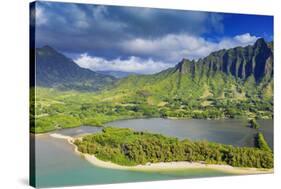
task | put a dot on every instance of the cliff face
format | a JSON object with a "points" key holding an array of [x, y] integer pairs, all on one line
{"points": [[237, 73], [239, 62]]}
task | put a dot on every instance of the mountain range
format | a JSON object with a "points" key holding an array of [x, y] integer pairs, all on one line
{"points": [[241, 72], [238, 72]]}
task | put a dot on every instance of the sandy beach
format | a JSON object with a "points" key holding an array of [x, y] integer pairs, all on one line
{"points": [[164, 166]]}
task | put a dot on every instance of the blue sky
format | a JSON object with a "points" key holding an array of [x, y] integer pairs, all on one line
{"points": [[141, 40]]}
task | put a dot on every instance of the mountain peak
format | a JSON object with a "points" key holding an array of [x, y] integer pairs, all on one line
{"points": [[185, 66], [53, 69], [258, 62], [260, 43], [184, 61]]}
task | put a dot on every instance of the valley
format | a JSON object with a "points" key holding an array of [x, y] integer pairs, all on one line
{"points": [[226, 84]]}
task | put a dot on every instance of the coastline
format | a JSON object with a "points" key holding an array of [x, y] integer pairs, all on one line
{"points": [[105, 124], [162, 166]]}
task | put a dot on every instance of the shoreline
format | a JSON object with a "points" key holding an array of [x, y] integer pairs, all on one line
{"points": [[162, 166], [131, 118]]}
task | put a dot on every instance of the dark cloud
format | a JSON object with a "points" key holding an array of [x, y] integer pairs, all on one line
{"points": [[141, 40], [99, 30]]}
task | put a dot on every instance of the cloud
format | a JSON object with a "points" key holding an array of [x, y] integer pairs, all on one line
{"points": [[103, 21], [131, 64], [40, 16], [142, 37], [99, 12], [168, 50], [245, 38], [174, 47], [79, 17], [104, 27]]}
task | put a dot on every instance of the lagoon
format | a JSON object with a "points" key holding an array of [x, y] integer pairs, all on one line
{"points": [[227, 131], [58, 165]]}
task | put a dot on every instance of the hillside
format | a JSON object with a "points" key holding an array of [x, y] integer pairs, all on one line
{"points": [[233, 83], [53, 69], [238, 73]]}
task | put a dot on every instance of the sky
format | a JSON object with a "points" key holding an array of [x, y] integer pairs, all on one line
{"points": [[141, 40]]}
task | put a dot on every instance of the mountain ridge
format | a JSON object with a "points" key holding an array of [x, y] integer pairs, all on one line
{"points": [[53, 69], [240, 72], [239, 61], [233, 83]]}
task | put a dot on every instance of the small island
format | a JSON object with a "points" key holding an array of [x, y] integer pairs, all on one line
{"points": [[122, 148]]}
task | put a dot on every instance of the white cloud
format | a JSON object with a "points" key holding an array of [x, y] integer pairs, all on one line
{"points": [[40, 16], [82, 24], [245, 38], [77, 18], [172, 47], [132, 64]]}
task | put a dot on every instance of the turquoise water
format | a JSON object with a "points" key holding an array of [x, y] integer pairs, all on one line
{"points": [[58, 165]]}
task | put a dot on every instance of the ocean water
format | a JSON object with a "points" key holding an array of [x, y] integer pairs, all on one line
{"points": [[58, 165]]}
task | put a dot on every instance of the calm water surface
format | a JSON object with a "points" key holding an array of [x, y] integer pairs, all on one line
{"points": [[58, 165], [230, 131]]}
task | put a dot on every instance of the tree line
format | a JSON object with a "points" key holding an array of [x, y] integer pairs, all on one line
{"points": [[128, 147]]}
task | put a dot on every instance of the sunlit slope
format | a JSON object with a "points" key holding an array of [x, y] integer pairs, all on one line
{"points": [[233, 83], [236, 73]]}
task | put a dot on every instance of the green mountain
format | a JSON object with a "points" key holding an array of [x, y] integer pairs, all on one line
{"points": [[233, 83], [236, 73], [236, 82], [53, 69]]}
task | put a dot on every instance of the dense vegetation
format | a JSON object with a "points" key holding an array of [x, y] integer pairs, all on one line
{"points": [[261, 142], [53, 69], [233, 83], [56, 109], [253, 124], [127, 147]]}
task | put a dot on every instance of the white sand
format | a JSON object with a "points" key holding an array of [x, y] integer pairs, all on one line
{"points": [[180, 165], [56, 135]]}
